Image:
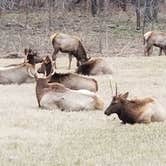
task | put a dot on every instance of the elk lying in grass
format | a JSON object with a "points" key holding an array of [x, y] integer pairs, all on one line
{"points": [[69, 80], [68, 44], [55, 95], [137, 110], [20, 73], [95, 66], [157, 39], [28, 54]]}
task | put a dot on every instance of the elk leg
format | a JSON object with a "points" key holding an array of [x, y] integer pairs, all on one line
{"points": [[160, 52], [78, 63], [54, 56], [145, 51], [148, 51], [164, 51], [70, 59]]}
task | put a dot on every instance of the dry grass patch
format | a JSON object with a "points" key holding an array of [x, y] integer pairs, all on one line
{"points": [[33, 136]]}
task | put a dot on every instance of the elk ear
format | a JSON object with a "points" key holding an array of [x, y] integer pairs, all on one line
{"points": [[35, 53], [89, 58], [25, 51], [125, 96], [47, 59]]}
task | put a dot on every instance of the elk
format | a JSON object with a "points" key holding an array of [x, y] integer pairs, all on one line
{"points": [[20, 73], [68, 44], [144, 110], [154, 38], [55, 95], [95, 66], [69, 80], [28, 54]]}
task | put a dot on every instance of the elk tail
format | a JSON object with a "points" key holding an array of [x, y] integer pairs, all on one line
{"points": [[52, 37], [147, 36], [99, 103]]}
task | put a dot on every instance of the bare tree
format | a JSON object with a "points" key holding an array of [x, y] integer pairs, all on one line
{"points": [[151, 10], [155, 6], [50, 13], [94, 7], [138, 17]]}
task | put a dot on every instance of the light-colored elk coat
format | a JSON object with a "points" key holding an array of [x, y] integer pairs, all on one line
{"points": [[68, 44], [55, 95], [154, 38], [95, 66], [19, 74], [69, 80]]}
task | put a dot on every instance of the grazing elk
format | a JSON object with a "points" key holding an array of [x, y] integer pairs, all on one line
{"points": [[69, 80], [55, 95], [68, 44], [153, 38], [95, 66], [20, 73], [144, 110]]}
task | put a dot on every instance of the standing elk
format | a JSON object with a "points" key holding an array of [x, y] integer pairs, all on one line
{"points": [[153, 38], [69, 80], [144, 110], [20, 73], [95, 66], [55, 95], [68, 44]]}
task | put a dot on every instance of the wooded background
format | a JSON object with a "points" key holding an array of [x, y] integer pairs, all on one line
{"points": [[97, 22]]}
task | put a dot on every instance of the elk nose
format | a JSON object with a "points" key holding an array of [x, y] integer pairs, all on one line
{"points": [[106, 113]]}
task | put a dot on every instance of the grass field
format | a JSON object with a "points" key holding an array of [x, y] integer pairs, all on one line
{"points": [[34, 137]]}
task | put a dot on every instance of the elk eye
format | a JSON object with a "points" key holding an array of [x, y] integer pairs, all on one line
{"points": [[115, 102]]}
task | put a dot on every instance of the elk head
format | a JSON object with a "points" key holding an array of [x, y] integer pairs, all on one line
{"points": [[46, 66], [117, 103], [32, 56]]}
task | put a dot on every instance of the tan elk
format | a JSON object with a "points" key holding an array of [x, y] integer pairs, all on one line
{"points": [[144, 110], [19, 73], [154, 38], [55, 95], [95, 66], [69, 80], [68, 44]]}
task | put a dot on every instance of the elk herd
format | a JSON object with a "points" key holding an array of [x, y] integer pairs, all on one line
{"points": [[73, 91]]}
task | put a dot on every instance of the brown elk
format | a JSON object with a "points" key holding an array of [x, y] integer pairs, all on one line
{"points": [[69, 80], [153, 38], [20, 73], [95, 66], [55, 95], [28, 54], [68, 44], [144, 110]]}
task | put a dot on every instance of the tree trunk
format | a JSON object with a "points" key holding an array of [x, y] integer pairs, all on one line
{"points": [[94, 7], [101, 5], [50, 15], [123, 5], [138, 17], [26, 14], [155, 4]]}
